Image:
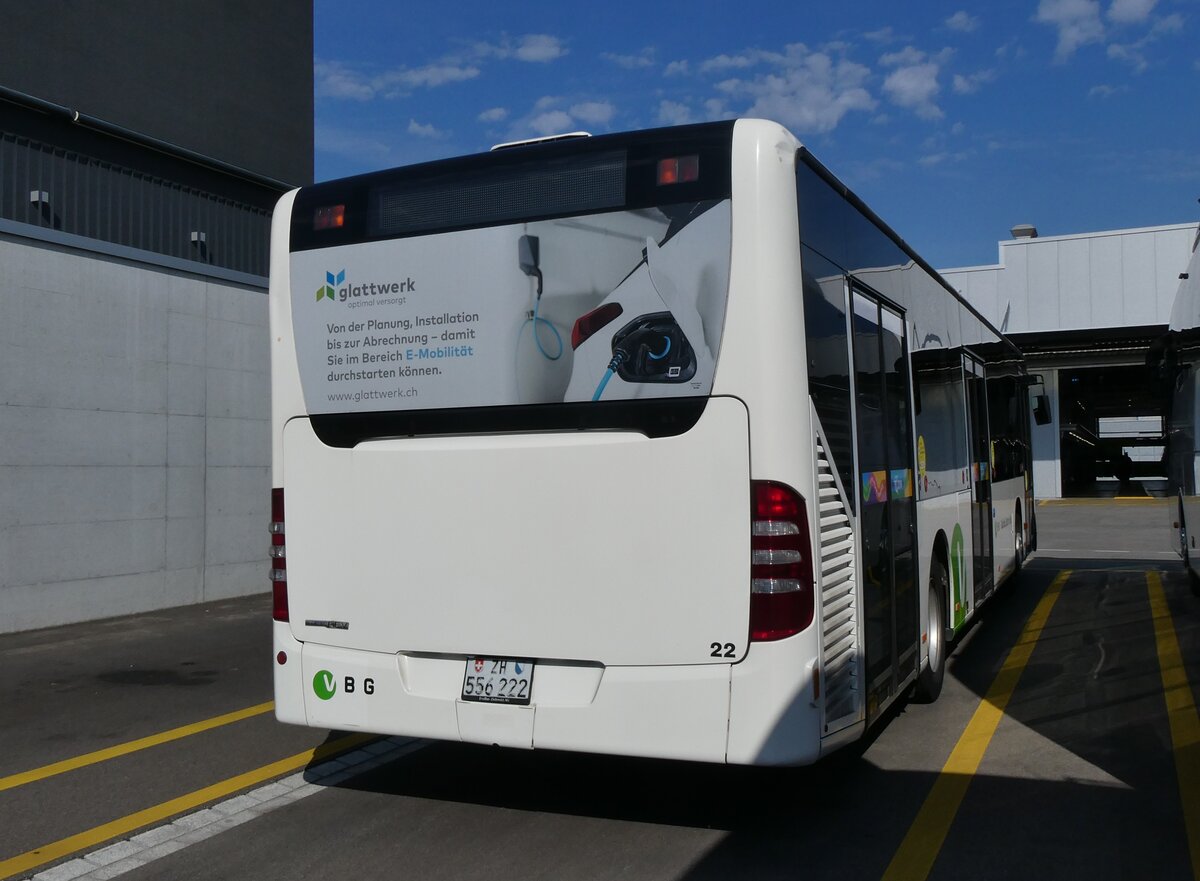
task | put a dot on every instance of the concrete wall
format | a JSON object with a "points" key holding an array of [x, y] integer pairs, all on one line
{"points": [[134, 436], [1122, 278]]}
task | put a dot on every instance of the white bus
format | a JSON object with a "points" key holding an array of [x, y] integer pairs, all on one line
{"points": [[607, 444], [1176, 358]]}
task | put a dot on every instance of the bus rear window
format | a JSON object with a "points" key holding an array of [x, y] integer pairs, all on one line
{"points": [[614, 306]]}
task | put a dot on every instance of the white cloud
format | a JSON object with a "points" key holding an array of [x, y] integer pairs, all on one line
{"points": [[641, 60], [882, 36], [1106, 91], [741, 61], [914, 82], [934, 159], [676, 68], [915, 87], [1133, 53], [406, 79], [962, 21], [539, 48], [969, 84], [593, 112], [424, 130], [674, 113], [359, 147], [1077, 21], [907, 55], [808, 91], [493, 114], [1130, 11], [552, 122], [334, 80], [549, 116]]}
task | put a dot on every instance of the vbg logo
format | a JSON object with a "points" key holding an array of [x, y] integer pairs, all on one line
{"points": [[328, 290], [325, 686]]}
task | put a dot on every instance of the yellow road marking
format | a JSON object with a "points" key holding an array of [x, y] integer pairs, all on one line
{"points": [[1181, 714], [132, 746], [100, 834], [915, 857]]}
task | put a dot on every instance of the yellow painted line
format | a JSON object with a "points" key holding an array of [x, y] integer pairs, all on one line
{"points": [[100, 834], [132, 746], [1181, 714], [920, 847]]}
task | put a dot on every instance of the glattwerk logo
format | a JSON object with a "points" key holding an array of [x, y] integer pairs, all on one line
{"points": [[335, 287], [327, 290]]}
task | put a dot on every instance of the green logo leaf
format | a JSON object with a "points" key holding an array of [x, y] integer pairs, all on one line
{"points": [[324, 685]]}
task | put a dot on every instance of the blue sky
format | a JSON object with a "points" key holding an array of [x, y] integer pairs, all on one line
{"points": [[954, 121]]}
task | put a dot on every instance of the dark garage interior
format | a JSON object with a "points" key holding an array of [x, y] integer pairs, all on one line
{"points": [[1111, 432]]}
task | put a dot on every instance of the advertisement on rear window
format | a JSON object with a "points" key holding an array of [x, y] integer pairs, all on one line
{"points": [[602, 307]]}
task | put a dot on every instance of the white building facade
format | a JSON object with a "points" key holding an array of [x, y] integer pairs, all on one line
{"points": [[1080, 302]]}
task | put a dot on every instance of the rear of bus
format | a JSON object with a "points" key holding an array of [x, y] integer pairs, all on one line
{"points": [[513, 457]]}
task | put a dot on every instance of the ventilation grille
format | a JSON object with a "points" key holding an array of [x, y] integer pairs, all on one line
{"points": [[839, 614]]}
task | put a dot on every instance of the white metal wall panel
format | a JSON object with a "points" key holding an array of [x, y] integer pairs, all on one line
{"points": [[1138, 278], [1168, 247], [1045, 439], [980, 287], [1074, 284], [1108, 307], [1014, 290], [1121, 278], [1042, 293]]}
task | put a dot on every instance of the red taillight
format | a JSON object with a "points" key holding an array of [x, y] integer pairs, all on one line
{"points": [[781, 579], [678, 170], [586, 325], [278, 559]]}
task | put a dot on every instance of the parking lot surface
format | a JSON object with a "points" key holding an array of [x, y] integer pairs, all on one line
{"points": [[1064, 745]]}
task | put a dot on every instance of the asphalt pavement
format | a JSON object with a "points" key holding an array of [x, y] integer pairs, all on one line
{"points": [[1081, 776]]}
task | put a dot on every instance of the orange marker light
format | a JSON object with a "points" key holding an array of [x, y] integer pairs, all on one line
{"points": [[330, 217]]}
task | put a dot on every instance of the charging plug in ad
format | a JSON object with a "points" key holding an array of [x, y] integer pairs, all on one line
{"points": [[653, 348]]}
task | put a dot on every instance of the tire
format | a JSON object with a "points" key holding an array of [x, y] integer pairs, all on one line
{"points": [[929, 683], [1018, 542], [1193, 578]]}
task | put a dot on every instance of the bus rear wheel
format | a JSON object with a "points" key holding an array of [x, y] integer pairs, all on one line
{"points": [[929, 683], [1018, 542]]}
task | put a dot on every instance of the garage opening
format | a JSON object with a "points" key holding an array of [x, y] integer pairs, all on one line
{"points": [[1111, 432]]}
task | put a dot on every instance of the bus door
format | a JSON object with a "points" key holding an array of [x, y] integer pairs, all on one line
{"points": [[981, 478], [888, 509]]}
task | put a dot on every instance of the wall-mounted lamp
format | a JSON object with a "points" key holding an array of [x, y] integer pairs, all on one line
{"points": [[40, 200], [200, 243]]}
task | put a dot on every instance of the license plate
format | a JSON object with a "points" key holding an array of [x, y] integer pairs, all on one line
{"points": [[498, 680]]}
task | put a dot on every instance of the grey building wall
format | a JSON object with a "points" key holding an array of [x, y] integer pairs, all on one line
{"points": [[229, 79], [134, 435]]}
